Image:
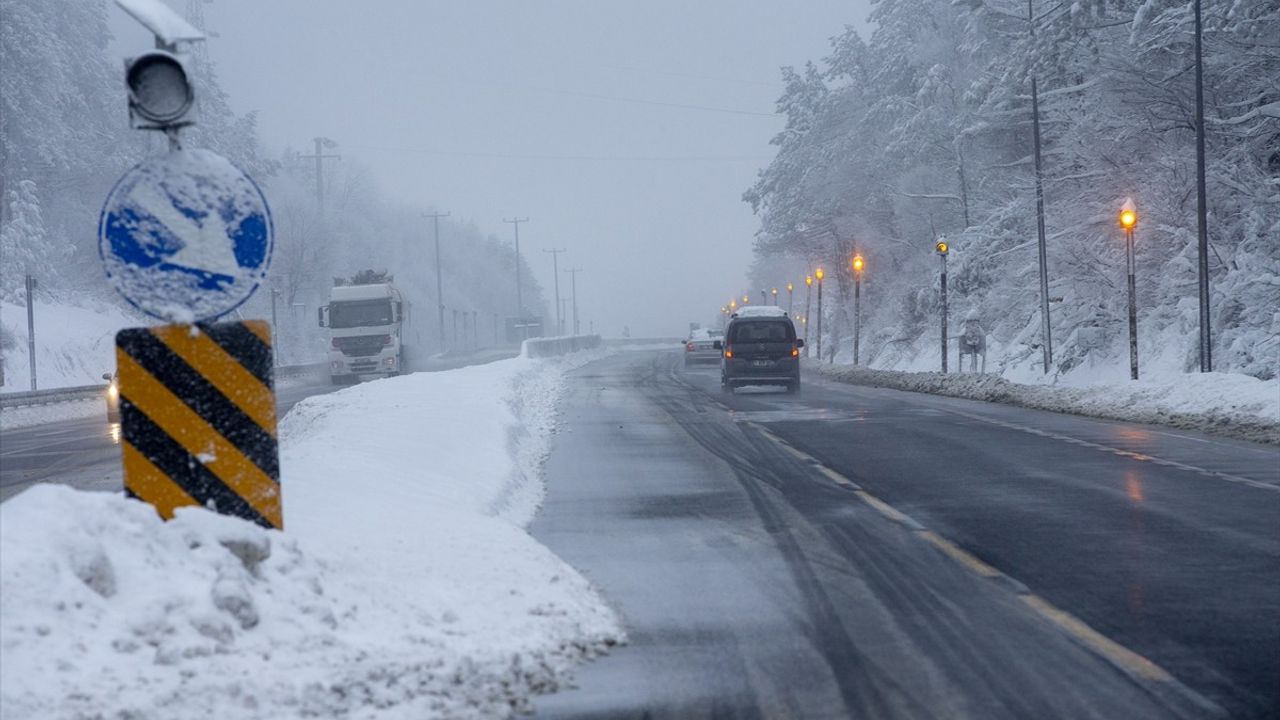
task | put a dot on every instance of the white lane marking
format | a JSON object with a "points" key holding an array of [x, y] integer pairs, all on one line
{"points": [[1141, 457]]}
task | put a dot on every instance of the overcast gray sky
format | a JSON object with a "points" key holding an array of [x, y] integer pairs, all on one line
{"points": [[491, 109]]}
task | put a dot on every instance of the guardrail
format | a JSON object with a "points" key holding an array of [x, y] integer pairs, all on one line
{"points": [[51, 396], [91, 392], [548, 347]]}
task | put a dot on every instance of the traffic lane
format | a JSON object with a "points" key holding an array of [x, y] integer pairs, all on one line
{"points": [[1174, 560], [85, 453], [752, 587]]}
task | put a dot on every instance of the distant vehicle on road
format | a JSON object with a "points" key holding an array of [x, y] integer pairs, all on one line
{"points": [[366, 324], [112, 396], [701, 346], [760, 348]]}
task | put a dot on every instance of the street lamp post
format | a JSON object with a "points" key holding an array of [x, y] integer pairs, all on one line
{"points": [[764, 297], [791, 299], [1128, 221], [819, 274], [857, 304], [775, 297], [808, 298], [942, 248]]}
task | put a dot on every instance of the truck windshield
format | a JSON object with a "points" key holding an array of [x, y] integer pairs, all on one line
{"points": [[360, 313]]}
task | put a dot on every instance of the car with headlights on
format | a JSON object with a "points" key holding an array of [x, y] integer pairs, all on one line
{"points": [[112, 395]]}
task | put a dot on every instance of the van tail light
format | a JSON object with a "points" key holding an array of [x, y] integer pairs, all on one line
{"points": [[795, 351], [728, 351]]}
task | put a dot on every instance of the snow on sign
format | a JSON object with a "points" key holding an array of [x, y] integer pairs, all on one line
{"points": [[185, 236]]}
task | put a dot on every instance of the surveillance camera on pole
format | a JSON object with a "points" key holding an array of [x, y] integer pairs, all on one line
{"points": [[161, 96]]}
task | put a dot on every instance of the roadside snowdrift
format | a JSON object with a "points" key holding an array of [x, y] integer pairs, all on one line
{"points": [[404, 586], [1225, 403]]}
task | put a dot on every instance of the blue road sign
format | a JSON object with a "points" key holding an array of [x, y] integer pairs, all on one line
{"points": [[185, 236]]}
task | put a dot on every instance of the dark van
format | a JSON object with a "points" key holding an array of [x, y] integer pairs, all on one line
{"points": [[760, 350]]}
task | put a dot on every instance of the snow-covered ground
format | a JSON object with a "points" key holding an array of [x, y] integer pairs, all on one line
{"points": [[75, 344], [1225, 403], [403, 586]]}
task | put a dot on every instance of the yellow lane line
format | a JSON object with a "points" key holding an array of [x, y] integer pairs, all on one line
{"points": [[1099, 643]]}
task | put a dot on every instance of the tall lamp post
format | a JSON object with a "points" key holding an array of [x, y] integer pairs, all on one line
{"points": [[1128, 221], [791, 298], [775, 297], [819, 274], [764, 297], [808, 298], [942, 248], [857, 304]]}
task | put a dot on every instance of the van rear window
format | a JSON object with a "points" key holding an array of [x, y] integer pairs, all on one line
{"points": [[763, 331]]}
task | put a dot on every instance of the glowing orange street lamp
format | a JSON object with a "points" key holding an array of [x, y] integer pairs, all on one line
{"points": [[1128, 221], [857, 264], [808, 301], [819, 274]]}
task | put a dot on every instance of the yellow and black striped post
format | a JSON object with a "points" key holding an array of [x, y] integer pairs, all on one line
{"points": [[198, 419]]}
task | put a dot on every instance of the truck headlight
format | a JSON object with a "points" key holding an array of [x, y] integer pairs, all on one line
{"points": [[389, 362]]}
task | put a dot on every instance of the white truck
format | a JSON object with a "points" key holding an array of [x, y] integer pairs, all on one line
{"points": [[366, 324]]}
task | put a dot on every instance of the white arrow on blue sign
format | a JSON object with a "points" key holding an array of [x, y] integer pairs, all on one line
{"points": [[186, 236]]}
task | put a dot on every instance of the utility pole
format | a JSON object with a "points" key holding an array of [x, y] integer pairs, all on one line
{"points": [[475, 331], [1202, 222], [519, 293], [320, 157], [435, 217], [1045, 328], [791, 300], [555, 267], [31, 328], [574, 273], [455, 328]]}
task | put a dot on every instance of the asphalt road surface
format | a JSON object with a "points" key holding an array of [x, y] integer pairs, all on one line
{"points": [[85, 453], [859, 552]]}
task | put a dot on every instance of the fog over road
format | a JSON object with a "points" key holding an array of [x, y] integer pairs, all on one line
{"points": [[873, 553]]}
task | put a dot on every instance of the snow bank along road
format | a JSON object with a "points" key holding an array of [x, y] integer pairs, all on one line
{"points": [[866, 552], [404, 585]]}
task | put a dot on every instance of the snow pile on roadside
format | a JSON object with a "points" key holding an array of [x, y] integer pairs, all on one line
{"points": [[404, 586], [1225, 403], [74, 345]]}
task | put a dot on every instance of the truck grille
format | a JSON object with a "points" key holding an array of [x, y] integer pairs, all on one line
{"points": [[360, 346]]}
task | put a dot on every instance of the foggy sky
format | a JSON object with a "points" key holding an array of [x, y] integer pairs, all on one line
{"points": [[495, 109]]}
